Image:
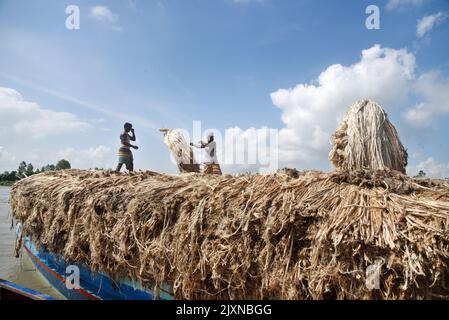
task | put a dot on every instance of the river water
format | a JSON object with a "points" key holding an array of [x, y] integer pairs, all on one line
{"points": [[18, 270]]}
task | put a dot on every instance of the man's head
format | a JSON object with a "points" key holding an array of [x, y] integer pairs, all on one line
{"points": [[128, 126], [210, 137]]}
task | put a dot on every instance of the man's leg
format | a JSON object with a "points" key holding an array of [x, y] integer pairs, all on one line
{"points": [[130, 164], [119, 167]]}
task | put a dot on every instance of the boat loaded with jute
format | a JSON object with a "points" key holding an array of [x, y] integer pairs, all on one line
{"points": [[363, 231], [90, 285]]}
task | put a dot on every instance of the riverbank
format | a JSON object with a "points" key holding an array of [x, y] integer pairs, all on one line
{"points": [[7, 183]]}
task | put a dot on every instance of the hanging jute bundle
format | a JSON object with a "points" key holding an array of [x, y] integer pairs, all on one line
{"points": [[182, 153], [366, 139]]}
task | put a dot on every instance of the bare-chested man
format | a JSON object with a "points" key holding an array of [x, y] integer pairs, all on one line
{"points": [[125, 156]]}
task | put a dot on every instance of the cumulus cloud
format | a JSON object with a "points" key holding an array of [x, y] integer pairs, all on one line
{"points": [[432, 168], [26, 118], [6, 158], [426, 23], [25, 127], [398, 4], [100, 157], [433, 89], [250, 150], [103, 13], [312, 111]]}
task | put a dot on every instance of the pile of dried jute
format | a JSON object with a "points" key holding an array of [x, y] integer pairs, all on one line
{"points": [[344, 235], [366, 139]]}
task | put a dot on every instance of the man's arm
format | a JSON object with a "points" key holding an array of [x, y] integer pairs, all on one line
{"points": [[133, 136], [125, 143], [201, 145]]}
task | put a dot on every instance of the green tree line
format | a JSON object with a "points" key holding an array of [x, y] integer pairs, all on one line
{"points": [[27, 169]]}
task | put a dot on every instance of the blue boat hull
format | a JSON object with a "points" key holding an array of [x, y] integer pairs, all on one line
{"points": [[93, 285], [13, 291]]}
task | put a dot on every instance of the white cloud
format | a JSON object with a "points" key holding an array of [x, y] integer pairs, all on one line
{"points": [[312, 111], [6, 158], [433, 90], [101, 157], [25, 127], [249, 150], [427, 23], [432, 169], [28, 119], [103, 13], [398, 4], [82, 103]]}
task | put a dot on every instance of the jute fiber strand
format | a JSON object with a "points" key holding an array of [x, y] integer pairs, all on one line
{"points": [[366, 139], [182, 153], [311, 235]]}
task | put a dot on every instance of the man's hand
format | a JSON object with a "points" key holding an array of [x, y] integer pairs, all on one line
{"points": [[191, 143], [135, 147], [133, 135]]}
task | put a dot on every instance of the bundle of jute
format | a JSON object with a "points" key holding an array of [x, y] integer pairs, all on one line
{"points": [[182, 153], [366, 139], [309, 236]]}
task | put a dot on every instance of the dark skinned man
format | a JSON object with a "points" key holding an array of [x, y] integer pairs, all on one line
{"points": [[125, 156]]}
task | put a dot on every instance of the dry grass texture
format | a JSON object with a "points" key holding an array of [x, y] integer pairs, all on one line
{"points": [[249, 236], [366, 139]]}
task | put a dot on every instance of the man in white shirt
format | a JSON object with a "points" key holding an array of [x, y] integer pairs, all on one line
{"points": [[210, 161]]}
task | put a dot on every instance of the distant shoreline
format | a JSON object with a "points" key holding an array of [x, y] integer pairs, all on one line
{"points": [[7, 183]]}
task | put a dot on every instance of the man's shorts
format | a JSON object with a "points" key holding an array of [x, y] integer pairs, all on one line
{"points": [[125, 156]]}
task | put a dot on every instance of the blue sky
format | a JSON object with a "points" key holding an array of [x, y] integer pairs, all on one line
{"points": [[167, 63]]}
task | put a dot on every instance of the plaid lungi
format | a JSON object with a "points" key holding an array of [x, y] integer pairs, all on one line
{"points": [[213, 168], [125, 156]]}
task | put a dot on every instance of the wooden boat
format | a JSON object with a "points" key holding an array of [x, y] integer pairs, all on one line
{"points": [[92, 285], [13, 291]]}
